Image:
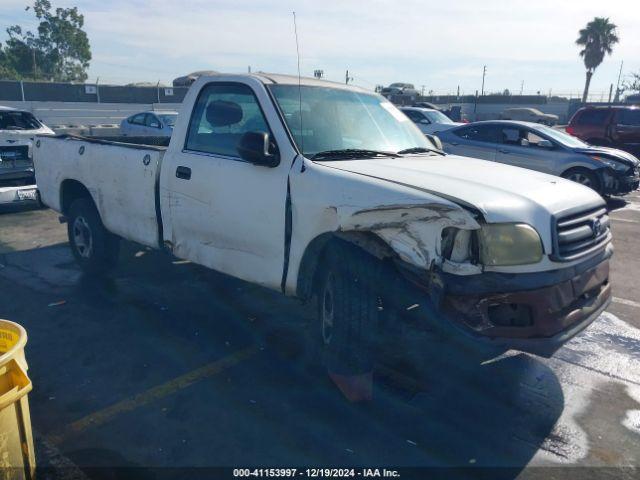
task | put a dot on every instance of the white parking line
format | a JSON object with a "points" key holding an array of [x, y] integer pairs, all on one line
{"points": [[626, 220], [624, 301]]}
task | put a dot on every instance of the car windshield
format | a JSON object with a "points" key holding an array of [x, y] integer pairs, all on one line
{"points": [[168, 118], [329, 119], [12, 120], [562, 137], [435, 116]]}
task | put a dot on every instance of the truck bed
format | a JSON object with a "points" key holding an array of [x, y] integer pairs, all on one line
{"points": [[120, 174]]}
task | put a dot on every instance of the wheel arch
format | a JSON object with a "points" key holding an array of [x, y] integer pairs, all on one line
{"points": [[71, 190], [310, 265]]}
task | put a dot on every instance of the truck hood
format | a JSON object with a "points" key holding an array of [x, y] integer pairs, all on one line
{"points": [[613, 153], [502, 193]]}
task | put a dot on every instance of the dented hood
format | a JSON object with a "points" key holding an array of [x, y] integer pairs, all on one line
{"points": [[502, 193]]}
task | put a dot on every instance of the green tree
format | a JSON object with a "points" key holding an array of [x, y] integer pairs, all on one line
{"points": [[6, 70], [596, 39], [633, 83], [58, 51]]}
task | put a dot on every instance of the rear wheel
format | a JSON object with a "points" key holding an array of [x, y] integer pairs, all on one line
{"points": [[94, 248], [583, 177]]}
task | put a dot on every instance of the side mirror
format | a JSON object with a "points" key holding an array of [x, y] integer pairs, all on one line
{"points": [[254, 147], [435, 141], [154, 125], [425, 121], [524, 142], [544, 143]]}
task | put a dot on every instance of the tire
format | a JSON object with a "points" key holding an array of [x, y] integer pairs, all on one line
{"points": [[348, 314], [584, 177], [94, 248]]}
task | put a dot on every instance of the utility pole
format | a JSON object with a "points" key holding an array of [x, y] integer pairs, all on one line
{"points": [[521, 87], [422, 90], [347, 78], [35, 75], [617, 97], [484, 73]]}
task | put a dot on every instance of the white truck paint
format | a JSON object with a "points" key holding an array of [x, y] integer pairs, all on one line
{"points": [[270, 224]]}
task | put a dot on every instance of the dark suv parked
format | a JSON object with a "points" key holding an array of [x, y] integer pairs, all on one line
{"points": [[615, 126]]}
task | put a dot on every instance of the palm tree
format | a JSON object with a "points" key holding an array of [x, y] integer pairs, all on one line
{"points": [[596, 40]]}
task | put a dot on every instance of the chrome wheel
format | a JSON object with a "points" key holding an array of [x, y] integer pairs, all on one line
{"points": [[582, 179], [327, 310], [82, 238]]}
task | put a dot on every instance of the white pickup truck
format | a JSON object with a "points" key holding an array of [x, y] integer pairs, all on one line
{"points": [[325, 191]]}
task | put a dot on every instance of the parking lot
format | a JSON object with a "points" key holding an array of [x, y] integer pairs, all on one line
{"points": [[167, 364]]}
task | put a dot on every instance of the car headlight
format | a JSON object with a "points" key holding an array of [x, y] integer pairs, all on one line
{"points": [[619, 166], [503, 244]]}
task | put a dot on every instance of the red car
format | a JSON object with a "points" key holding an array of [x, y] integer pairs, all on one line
{"points": [[615, 126]]}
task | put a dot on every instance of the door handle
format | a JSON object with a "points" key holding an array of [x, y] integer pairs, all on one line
{"points": [[454, 143], [502, 150], [183, 173]]}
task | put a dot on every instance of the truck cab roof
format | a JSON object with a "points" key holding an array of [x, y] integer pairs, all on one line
{"points": [[281, 79]]}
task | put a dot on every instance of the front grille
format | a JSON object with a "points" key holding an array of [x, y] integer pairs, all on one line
{"points": [[580, 234], [18, 152]]}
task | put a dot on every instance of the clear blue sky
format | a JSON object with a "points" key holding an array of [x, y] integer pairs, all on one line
{"points": [[439, 44]]}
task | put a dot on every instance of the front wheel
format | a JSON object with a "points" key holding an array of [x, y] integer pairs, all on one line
{"points": [[93, 246], [348, 309], [583, 177]]}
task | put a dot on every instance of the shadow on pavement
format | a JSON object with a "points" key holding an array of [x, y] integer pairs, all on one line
{"points": [[156, 318]]}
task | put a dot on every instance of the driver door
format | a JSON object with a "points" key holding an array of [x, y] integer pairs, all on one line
{"points": [[226, 213], [519, 147]]}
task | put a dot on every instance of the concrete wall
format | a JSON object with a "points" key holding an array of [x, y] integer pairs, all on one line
{"points": [[91, 93], [56, 114]]}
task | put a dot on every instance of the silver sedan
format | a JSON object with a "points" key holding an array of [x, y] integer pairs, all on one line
{"points": [[149, 124], [537, 147]]}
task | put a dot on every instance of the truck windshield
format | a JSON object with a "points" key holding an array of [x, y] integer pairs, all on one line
{"points": [[13, 120], [332, 119]]}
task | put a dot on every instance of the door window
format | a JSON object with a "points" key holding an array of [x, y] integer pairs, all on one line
{"points": [[222, 114], [479, 133], [595, 116], [138, 119], [152, 121], [630, 117], [510, 136], [416, 117]]}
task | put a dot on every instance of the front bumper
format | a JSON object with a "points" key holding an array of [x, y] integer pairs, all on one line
{"points": [[615, 183], [535, 313]]}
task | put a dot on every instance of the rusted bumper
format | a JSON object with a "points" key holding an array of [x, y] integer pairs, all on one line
{"points": [[535, 320]]}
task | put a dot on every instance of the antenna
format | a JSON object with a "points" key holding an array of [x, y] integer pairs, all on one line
{"points": [[295, 31]]}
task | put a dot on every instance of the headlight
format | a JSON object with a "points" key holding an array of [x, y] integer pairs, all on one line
{"points": [[503, 244], [619, 166]]}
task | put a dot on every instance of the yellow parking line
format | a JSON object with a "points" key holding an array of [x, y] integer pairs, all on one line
{"points": [[156, 393]]}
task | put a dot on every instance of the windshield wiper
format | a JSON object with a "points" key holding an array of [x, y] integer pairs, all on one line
{"points": [[347, 153], [420, 150]]}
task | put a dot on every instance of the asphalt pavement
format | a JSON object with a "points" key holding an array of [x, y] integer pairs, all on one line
{"points": [[165, 364]]}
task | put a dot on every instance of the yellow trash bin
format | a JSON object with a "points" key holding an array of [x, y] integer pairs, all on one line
{"points": [[17, 457]]}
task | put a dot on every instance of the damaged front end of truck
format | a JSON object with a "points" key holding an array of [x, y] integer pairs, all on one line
{"points": [[449, 261]]}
